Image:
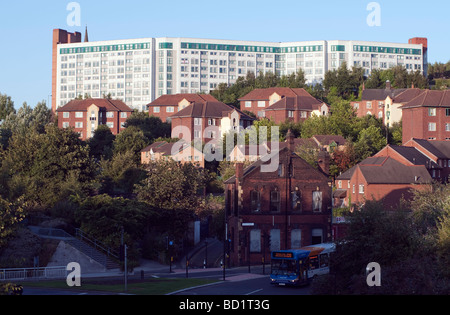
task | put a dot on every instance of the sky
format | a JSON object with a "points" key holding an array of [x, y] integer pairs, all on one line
{"points": [[26, 28]]}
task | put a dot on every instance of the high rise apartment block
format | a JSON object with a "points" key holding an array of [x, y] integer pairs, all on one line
{"points": [[138, 71]]}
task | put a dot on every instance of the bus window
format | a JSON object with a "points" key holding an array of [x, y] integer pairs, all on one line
{"points": [[324, 261], [313, 262], [283, 267]]}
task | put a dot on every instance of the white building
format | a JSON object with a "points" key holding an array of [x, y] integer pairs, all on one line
{"points": [[138, 71]]}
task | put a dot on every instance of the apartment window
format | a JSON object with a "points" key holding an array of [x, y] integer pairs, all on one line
{"points": [[317, 201], [431, 111], [296, 200], [255, 201], [447, 127], [275, 240], [431, 126], [296, 239], [66, 115], [275, 201]]}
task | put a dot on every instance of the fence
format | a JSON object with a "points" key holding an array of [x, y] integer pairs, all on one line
{"points": [[33, 273]]}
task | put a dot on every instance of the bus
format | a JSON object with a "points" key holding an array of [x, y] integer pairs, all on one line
{"points": [[298, 266]]}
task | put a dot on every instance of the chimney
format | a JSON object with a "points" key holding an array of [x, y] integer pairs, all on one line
{"points": [[324, 162], [388, 85]]}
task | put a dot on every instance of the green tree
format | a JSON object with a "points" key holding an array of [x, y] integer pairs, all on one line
{"points": [[6, 106], [152, 127], [370, 141], [101, 144], [131, 139]]}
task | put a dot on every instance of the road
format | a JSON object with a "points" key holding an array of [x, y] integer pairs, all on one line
{"points": [[259, 286]]}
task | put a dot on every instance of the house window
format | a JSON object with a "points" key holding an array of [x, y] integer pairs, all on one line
{"points": [[197, 121], [431, 126], [123, 115], [447, 112], [79, 125], [110, 125], [170, 109], [303, 114], [275, 201], [261, 103], [79, 115], [369, 105], [255, 241], [66, 115], [196, 134], [109, 114], [156, 109], [248, 104], [291, 114], [447, 127], [361, 189], [317, 201], [255, 201], [431, 111], [65, 124]]}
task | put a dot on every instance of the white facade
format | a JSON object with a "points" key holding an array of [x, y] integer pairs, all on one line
{"points": [[138, 71]]}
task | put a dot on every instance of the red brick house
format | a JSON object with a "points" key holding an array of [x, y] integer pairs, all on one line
{"points": [[438, 153], [427, 116], [86, 115], [168, 105], [287, 208], [258, 100], [208, 122], [296, 109], [373, 101], [380, 178]]}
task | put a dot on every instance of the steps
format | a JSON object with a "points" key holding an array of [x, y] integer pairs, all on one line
{"points": [[80, 244]]}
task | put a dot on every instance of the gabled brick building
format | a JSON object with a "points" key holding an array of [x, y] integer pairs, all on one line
{"points": [[86, 115], [284, 209], [280, 104], [168, 105], [427, 116], [208, 122]]}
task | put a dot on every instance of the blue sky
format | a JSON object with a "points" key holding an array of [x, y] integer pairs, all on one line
{"points": [[26, 28]]}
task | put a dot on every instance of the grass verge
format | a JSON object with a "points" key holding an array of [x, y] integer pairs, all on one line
{"points": [[147, 287]]}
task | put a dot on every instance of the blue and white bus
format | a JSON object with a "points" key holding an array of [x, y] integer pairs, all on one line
{"points": [[299, 266]]}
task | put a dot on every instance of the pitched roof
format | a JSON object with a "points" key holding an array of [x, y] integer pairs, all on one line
{"points": [[304, 102], [105, 104], [166, 148], [440, 149], [407, 95], [386, 170], [430, 98], [329, 139], [264, 94], [209, 110], [414, 156], [174, 100], [380, 94]]}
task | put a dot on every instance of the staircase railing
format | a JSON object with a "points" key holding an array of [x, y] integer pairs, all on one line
{"points": [[97, 245]]}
